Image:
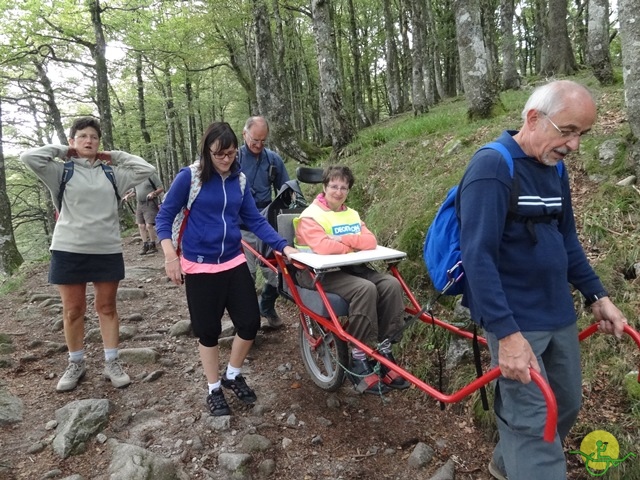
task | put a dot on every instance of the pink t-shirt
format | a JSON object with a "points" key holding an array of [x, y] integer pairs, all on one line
{"points": [[194, 267]]}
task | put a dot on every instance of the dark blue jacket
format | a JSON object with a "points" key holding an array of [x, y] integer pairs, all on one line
{"points": [[512, 282], [212, 233], [257, 172]]}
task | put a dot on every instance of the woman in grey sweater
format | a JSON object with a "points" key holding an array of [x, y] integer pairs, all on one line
{"points": [[86, 244]]}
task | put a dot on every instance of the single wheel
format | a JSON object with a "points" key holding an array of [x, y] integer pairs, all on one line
{"points": [[323, 354]]}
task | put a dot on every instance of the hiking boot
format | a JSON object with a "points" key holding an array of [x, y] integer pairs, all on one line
{"points": [[273, 319], [71, 376], [267, 302], [145, 248], [113, 371], [217, 404], [496, 472], [239, 387], [365, 380], [152, 248], [391, 378]]}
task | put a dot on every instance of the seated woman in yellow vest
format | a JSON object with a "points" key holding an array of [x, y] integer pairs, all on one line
{"points": [[376, 304]]}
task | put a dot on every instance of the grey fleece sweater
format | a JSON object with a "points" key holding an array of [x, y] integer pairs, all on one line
{"points": [[88, 220]]}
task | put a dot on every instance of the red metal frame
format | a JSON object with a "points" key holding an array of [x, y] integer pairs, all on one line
{"points": [[332, 324]]}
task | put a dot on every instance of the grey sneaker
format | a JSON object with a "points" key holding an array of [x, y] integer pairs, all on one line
{"points": [[495, 471], [71, 376], [113, 371], [273, 319]]}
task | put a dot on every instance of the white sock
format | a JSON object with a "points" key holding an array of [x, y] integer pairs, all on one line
{"points": [[233, 372], [110, 354], [214, 386], [76, 356]]}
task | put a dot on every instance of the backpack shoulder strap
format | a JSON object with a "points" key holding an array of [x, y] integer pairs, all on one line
{"points": [[196, 184], [108, 171], [67, 173], [153, 185], [504, 152], [243, 182]]}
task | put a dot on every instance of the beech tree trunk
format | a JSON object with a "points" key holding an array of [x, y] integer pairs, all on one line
{"points": [[271, 101], [392, 67], [559, 58], [510, 77], [102, 76], [10, 258], [475, 64], [418, 96], [598, 41], [629, 15], [336, 121]]}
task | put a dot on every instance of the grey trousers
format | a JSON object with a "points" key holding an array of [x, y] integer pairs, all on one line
{"points": [[252, 261], [376, 302], [520, 409]]}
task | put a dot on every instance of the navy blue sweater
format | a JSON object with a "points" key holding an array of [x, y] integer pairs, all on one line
{"points": [[212, 233], [512, 283], [257, 171]]}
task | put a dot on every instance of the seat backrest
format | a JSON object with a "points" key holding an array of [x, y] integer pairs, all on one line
{"points": [[285, 226]]}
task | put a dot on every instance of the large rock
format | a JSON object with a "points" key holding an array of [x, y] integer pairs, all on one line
{"points": [[11, 407], [136, 463], [138, 356], [78, 421]]}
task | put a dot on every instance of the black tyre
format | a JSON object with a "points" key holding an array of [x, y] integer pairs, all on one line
{"points": [[324, 355]]}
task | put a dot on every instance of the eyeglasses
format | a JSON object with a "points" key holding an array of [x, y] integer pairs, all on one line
{"points": [[84, 136], [221, 155], [570, 134], [253, 141], [338, 188]]}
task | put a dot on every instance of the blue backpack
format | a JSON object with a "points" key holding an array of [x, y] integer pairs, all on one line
{"points": [[441, 252]]}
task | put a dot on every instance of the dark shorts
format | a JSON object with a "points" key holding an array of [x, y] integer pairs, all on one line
{"points": [[210, 294], [68, 268], [146, 212]]}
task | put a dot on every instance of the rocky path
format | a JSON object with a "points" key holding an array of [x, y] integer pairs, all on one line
{"points": [[159, 428]]}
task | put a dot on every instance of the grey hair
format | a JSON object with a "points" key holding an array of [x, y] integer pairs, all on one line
{"points": [[553, 97], [251, 121]]}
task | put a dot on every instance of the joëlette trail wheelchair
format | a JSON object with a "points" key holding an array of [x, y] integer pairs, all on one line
{"points": [[322, 338]]}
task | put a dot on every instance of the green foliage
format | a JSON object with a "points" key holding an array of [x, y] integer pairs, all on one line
{"points": [[11, 284]]}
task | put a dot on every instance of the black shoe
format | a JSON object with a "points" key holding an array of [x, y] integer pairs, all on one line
{"points": [[145, 248], [365, 380], [391, 378], [239, 387], [217, 404], [152, 248]]}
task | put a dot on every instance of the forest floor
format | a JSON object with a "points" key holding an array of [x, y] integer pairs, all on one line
{"points": [[362, 437]]}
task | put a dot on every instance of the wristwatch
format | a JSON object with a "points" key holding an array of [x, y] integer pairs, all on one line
{"points": [[591, 299]]}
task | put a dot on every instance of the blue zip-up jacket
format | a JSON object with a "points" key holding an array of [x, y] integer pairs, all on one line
{"points": [[212, 233], [257, 171], [512, 283]]}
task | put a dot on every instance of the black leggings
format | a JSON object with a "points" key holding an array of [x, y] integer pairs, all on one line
{"points": [[209, 294]]}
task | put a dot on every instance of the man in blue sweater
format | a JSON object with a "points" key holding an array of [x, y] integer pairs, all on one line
{"points": [[519, 266], [266, 173]]}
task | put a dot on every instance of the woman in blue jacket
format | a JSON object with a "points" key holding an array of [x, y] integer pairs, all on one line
{"points": [[212, 263]]}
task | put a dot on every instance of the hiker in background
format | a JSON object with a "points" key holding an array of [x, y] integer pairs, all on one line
{"points": [[212, 263], [376, 302], [86, 244], [147, 196], [518, 274], [265, 174]]}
